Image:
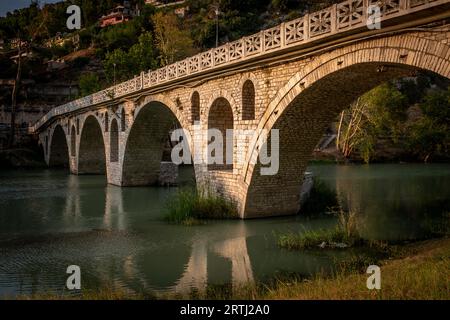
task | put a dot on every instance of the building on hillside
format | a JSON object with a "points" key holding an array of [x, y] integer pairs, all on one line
{"points": [[119, 14], [180, 11], [15, 43], [61, 39], [56, 65], [164, 3]]}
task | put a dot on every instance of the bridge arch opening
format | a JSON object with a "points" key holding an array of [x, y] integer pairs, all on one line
{"points": [[248, 101], [123, 120], [221, 118], [106, 121], [114, 141], [59, 150], [195, 107], [148, 145], [91, 158], [73, 142], [301, 122]]}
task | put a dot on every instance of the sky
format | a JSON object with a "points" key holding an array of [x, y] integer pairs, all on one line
{"points": [[11, 5]]}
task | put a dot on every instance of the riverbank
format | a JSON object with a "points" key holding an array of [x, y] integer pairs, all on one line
{"points": [[421, 271], [417, 271], [21, 158]]}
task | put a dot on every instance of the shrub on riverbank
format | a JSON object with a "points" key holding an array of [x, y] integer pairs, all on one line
{"points": [[322, 199], [190, 206]]}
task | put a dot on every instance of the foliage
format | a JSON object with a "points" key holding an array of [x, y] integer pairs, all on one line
{"points": [[88, 83], [173, 42], [344, 235], [430, 135], [189, 205], [379, 113], [322, 199], [120, 65]]}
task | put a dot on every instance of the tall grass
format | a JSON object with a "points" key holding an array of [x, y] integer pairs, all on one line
{"points": [[345, 234], [189, 206]]}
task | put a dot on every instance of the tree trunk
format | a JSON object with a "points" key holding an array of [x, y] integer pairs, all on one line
{"points": [[14, 97], [338, 139]]}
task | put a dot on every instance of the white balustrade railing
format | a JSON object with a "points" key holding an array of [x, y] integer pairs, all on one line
{"points": [[346, 15]]}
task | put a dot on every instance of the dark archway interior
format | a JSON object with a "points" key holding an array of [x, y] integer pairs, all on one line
{"points": [[114, 141], [195, 107], [91, 159], [147, 141], [221, 118], [59, 150], [301, 127], [248, 101]]}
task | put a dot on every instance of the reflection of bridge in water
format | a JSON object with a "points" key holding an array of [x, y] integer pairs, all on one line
{"points": [[196, 274]]}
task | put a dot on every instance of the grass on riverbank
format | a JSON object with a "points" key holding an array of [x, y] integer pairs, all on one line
{"points": [[422, 273], [190, 206], [344, 235]]}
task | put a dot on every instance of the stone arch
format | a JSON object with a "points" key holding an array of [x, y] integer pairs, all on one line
{"points": [[195, 107], [91, 153], [114, 141], [312, 98], [73, 141], [58, 152], [146, 141], [248, 100], [220, 117]]}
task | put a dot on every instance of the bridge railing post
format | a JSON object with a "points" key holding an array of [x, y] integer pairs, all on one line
{"points": [[306, 35], [333, 14], [404, 4], [283, 34], [365, 8]]}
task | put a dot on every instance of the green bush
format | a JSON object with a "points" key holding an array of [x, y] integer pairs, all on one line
{"points": [[322, 199], [89, 83], [345, 233], [188, 206]]}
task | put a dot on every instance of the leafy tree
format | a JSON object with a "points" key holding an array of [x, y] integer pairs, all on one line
{"points": [[378, 113], [88, 83], [121, 65], [430, 135], [173, 42]]}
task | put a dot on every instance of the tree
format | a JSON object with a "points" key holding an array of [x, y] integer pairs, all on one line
{"points": [[430, 135], [379, 113], [172, 41], [88, 84], [23, 26], [120, 65]]}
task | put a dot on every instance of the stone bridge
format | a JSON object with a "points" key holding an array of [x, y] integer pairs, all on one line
{"points": [[295, 77]]}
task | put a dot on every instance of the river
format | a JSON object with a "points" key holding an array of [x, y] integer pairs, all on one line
{"points": [[50, 220]]}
